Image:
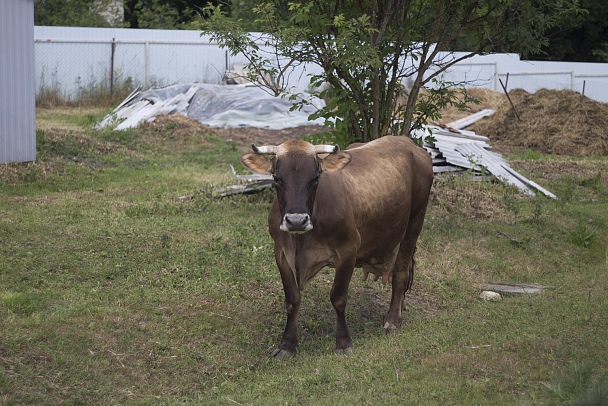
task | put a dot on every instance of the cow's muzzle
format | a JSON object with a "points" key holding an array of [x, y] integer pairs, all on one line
{"points": [[296, 223]]}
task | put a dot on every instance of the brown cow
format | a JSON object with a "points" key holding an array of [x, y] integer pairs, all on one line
{"points": [[363, 207]]}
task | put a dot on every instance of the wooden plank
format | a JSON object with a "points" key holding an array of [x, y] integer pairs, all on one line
{"points": [[532, 183], [446, 168], [468, 136], [513, 288], [494, 163], [251, 187], [252, 177], [468, 120], [130, 97]]}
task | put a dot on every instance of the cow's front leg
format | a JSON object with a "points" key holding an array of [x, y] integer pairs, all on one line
{"points": [[289, 342], [339, 297]]}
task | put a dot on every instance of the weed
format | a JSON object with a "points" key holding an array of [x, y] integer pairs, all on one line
{"points": [[593, 183], [528, 154], [566, 190], [20, 302], [91, 93], [582, 235], [537, 211], [578, 387], [513, 205]]}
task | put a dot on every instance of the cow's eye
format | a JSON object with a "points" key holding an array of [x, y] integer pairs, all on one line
{"points": [[276, 179], [314, 182]]}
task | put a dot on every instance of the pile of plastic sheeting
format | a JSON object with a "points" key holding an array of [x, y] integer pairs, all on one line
{"points": [[214, 105]]}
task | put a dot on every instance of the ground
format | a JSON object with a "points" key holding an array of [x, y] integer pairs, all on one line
{"points": [[560, 122], [115, 290]]}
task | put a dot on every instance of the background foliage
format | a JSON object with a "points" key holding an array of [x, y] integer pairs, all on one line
{"points": [[580, 38], [75, 13], [374, 52]]}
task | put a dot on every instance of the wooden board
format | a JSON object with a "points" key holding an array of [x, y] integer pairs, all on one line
{"points": [[251, 187], [513, 288]]}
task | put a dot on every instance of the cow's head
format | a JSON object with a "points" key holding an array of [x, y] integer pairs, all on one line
{"points": [[296, 167]]}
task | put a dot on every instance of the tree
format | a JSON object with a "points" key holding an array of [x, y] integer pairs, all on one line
{"points": [[158, 14], [582, 38], [162, 14], [77, 13], [369, 48]]}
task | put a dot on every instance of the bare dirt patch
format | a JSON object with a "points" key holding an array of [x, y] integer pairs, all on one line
{"points": [[179, 127], [175, 126], [245, 136]]}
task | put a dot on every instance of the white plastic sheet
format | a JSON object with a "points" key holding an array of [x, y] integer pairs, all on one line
{"points": [[215, 105]]}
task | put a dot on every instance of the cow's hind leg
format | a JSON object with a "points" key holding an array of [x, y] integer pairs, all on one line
{"points": [[403, 273], [339, 297]]}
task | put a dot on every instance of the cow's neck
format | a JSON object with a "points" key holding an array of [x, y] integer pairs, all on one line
{"points": [[302, 272]]}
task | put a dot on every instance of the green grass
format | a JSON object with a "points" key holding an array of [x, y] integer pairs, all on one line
{"points": [[115, 291]]}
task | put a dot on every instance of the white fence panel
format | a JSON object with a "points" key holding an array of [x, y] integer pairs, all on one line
{"points": [[474, 74], [591, 79], [532, 81], [73, 59], [71, 66], [592, 86]]}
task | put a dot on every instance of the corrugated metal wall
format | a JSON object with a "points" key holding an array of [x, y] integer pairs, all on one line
{"points": [[17, 82]]}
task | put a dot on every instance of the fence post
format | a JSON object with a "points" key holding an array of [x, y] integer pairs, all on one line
{"points": [[572, 80], [147, 64], [112, 68]]}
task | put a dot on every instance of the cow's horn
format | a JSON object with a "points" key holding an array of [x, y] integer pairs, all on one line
{"points": [[326, 149], [264, 149]]}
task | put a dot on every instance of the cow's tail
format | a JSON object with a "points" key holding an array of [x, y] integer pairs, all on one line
{"points": [[410, 279]]}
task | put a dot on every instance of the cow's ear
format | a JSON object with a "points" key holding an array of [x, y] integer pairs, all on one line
{"points": [[334, 162], [257, 162]]}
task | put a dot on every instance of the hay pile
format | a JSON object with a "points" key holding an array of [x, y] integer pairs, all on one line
{"points": [[488, 99], [553, 121]]}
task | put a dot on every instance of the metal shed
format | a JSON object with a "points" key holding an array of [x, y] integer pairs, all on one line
{"points": [[17, 82]]}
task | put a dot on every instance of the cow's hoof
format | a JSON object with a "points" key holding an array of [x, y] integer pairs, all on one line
{"points": [[345, 351], [389, 328], [280, 354]]}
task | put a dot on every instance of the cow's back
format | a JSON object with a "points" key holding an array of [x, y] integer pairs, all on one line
{"points": [[376, 193], [382, 174]]}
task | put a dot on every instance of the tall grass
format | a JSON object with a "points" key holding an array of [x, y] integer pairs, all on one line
{"points": [[89, 93]]}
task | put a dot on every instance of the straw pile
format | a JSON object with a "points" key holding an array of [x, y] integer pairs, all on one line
{"points": [[559, 122], [488, 99]]}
